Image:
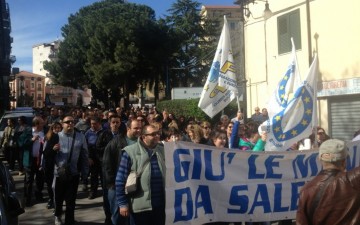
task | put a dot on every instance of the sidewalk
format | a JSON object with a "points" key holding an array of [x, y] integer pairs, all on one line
{"points": [[87, 212]]}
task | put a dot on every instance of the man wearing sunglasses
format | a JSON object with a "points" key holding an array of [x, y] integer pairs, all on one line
{"points": [[71, 150], [146, 155]]}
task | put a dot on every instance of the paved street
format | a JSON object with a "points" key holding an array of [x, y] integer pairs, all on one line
{"points": [[88, 212]]}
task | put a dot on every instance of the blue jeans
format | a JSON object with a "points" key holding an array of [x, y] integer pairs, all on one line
{"points": [[116, 218]]}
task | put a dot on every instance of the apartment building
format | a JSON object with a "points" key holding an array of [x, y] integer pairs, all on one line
{"points": [[55, 94], [27, 89], [324, 27]]}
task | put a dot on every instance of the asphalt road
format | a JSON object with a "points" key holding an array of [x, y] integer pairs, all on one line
{"points": [[87, 212]]}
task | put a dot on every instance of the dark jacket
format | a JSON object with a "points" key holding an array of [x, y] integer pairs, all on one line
{"points": [[339, 203], [103, 139], [111, 159], [49, 153]]}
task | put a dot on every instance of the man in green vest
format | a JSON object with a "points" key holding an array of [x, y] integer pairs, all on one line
{"points": [[147, 205]]}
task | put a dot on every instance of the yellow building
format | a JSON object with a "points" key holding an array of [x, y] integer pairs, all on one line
{"points": [[326, 27]]}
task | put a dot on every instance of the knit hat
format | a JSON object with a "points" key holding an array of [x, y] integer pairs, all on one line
{"points": [[333, 150]]}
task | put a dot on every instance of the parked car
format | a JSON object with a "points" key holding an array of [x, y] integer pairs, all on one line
{"points": [[28, 112], [10, 207]]}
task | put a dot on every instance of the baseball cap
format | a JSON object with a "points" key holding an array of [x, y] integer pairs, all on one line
{"points": [[332, 150]]}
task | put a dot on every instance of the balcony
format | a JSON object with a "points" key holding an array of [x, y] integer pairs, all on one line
{"points": [[52, 55]]}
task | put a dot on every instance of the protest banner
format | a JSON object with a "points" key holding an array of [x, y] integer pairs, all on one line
{"points": [[207, 184]]}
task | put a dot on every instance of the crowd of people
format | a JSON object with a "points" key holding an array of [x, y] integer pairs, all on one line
{"points": [[103, 146]]}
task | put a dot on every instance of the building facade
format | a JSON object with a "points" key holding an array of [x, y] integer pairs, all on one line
{"points": [[6, 60], [56, 94], [27, 89], [324, 27]]}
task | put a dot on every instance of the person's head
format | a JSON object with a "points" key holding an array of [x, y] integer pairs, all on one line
{"points": [[68, 124], [264, 112], [150, 136], [333, 153], [239, 115], [321, 135], [95, 123], [229, 129], [133, 129], [53, 111], [195, 133], [22, 120], [224, 119], [11, 122], [118, 111], [111, 113], [56, 127], [60, 112], [257, 110], [115, 122], [172, 134], [38, 123], [206, 128], [165, 114], [150, 118], [141, 119], [219, 138]]}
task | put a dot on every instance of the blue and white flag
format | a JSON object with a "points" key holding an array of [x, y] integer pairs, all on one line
{"points": [[285, 89], [221, 86], [297, 120]]}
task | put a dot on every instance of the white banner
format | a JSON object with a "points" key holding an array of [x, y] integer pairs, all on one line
{"points": [[207, 184]]}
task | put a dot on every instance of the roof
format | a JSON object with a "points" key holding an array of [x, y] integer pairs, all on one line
{"points": [[221, 6], [28, 74]]}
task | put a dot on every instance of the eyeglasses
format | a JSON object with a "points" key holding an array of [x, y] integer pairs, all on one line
{"points": [[153, 134], [320, 133], [205, 128], [69, 122]]}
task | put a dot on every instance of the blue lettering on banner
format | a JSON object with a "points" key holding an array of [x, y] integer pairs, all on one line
{"points": [[179, 216], [295, 190], [270, 163], [303, 165], [238, 200], [202, 200], [263, 201], [183, 167], [277, 204], [179, 165]]}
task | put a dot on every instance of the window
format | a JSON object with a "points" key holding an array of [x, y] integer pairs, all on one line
{"points": [[32, 85], [232, 25], [289, 26]]}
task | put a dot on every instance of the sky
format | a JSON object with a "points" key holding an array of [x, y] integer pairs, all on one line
{"points": [[40, 21]]}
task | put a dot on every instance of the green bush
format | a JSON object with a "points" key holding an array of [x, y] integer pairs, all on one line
{"points": [[189, 108]]}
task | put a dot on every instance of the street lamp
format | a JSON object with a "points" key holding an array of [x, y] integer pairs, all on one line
{"points": [[245, 12]]}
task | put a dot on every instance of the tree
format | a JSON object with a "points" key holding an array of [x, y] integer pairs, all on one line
{"points": [[108, 44], [196, 41]]}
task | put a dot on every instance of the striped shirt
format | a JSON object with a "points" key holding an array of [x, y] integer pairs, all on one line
{"points": [[156, 181]]}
